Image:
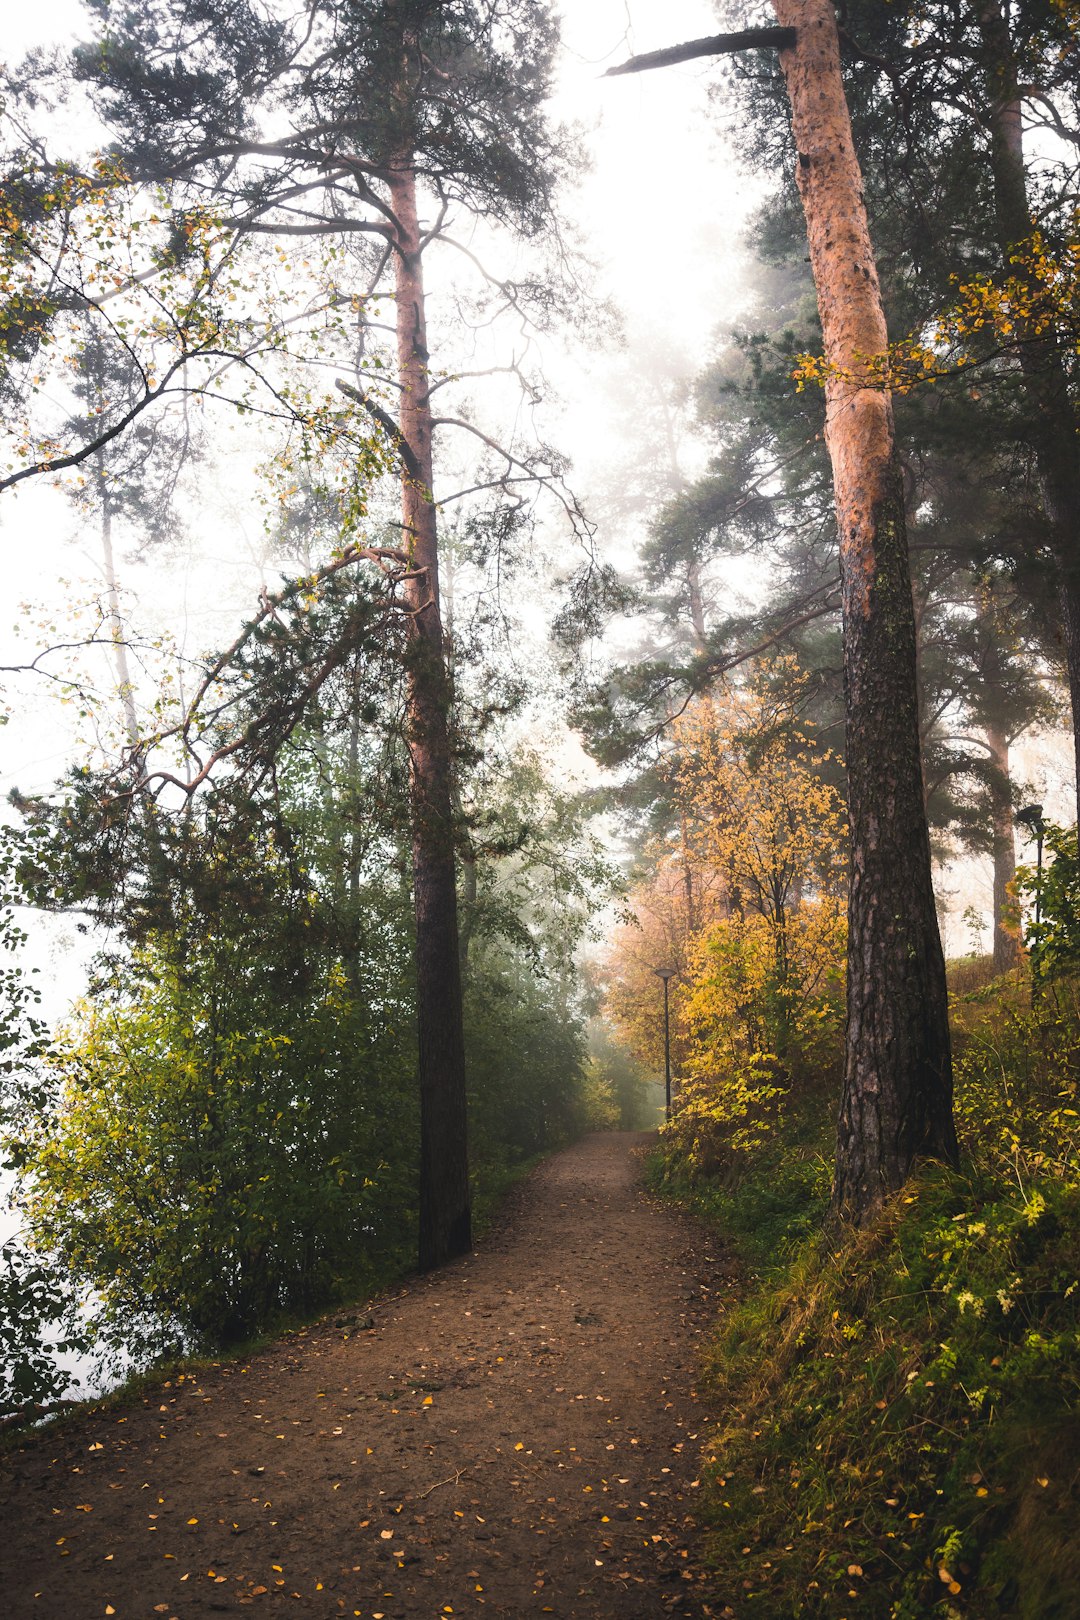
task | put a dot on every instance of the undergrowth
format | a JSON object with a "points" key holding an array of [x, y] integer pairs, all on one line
{"points": [[900, 1428]]}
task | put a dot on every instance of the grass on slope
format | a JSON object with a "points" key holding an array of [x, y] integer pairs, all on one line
{"points": [[901, 1407]]}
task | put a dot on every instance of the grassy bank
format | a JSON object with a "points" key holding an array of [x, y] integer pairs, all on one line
{"points": [[900, 1431]]}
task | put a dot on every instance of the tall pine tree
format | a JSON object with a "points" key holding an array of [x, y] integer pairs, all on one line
{"points": [[365, 121]]}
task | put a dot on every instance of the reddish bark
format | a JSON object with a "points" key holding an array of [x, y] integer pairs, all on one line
{"points": [[445, 1222], [897, 1095]]}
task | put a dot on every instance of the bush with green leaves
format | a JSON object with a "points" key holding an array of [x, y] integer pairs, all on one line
{"points": [[38, 1312], [39, 1322], [1055, 942], [219, 1155]]}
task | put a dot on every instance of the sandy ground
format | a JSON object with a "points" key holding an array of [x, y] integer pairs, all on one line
{"points": [[518, 1434]]}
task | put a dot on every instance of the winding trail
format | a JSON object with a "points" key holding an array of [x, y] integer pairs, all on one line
{"points": [[518, 1434]]}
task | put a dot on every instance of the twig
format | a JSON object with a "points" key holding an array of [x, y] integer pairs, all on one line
{"points": [[451, 1479]]}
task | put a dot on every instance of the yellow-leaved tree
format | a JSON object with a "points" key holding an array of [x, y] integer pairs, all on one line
{"points": [[665, 912], [758, 998]]}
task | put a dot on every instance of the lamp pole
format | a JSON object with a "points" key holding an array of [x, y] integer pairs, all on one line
{"points": [[666, 973]]}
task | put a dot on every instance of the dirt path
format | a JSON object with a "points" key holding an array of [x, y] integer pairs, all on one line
{"points": [[515, 1435]]}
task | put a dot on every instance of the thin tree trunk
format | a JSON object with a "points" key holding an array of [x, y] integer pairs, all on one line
{"points": [[445, 1221], [352, 779], [697, 605], [158, 865], [692, 923], [897, 1094], [1005, 940], [468, 909], [1051, 413], [112, 596]]}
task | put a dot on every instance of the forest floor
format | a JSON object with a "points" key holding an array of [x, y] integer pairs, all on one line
{"points": [[517, 1434]]}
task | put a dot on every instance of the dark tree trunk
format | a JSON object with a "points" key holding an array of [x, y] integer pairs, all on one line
{"points": [[1051, 412], [1005, 941], [445, 1221], [897, 1094]]}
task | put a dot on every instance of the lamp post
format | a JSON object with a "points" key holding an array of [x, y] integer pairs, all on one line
{"points": [[1031, 817], [666, 973]]}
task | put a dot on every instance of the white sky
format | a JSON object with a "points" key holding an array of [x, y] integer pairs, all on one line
{"points": [[662, 211]]}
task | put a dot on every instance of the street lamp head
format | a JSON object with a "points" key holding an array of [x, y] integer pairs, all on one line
{"points": [[1031, 816], [664, 973]]}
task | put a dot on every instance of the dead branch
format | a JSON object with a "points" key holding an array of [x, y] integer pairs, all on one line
{"points": [[748, 39], [388, 425]]}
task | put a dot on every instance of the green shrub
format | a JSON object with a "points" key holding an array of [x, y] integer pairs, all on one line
{"points": [[217, 1158]]}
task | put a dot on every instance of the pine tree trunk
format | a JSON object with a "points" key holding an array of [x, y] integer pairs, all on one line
{"points": [[1005, 940], [897, 1094], [1051, 412], [445, 1221]]}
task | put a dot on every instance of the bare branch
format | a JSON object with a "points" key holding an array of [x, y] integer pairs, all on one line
{"points": [[388, 425], [748, 39], [54, 464], [394, 563]]}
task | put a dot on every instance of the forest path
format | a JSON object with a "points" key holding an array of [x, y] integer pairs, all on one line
{"points": [[518, 1434]]}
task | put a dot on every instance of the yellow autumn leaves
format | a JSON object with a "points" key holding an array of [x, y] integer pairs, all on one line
{"points": [[746, 900], [1039, 298]]}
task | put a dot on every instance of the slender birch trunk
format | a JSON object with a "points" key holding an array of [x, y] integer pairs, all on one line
{"points": [[158, 864], [897, 1094], [445, 1221]]}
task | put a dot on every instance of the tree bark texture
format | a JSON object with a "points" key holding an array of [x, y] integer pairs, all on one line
{"points": [[1051, 413], [445, 1220], [897, 1093], [1006, 948]]}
